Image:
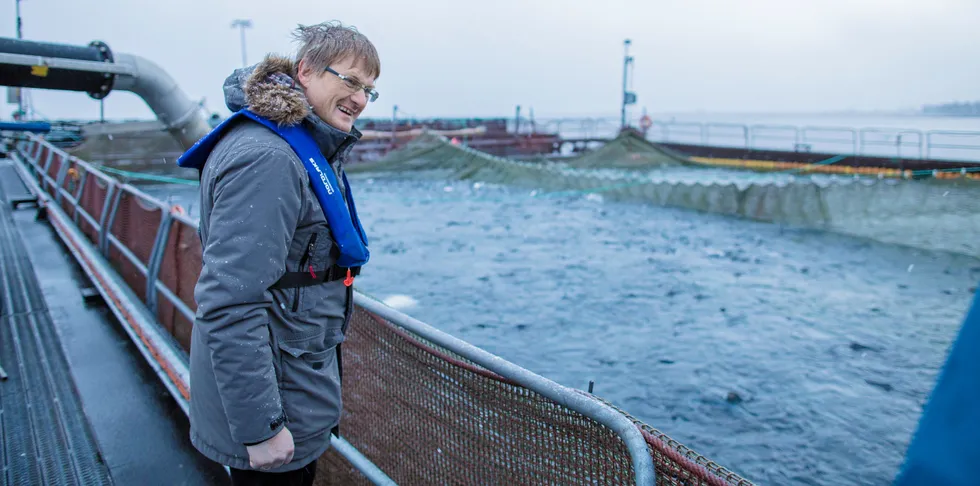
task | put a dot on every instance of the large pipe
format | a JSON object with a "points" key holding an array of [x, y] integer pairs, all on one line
{"points": [[183, 118], [95, 70]]}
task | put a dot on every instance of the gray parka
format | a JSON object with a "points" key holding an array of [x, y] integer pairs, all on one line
{"points": [[263, 358]]}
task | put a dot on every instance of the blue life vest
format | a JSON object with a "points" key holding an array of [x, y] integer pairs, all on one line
{"points": [[341, 215], [945, 449]]}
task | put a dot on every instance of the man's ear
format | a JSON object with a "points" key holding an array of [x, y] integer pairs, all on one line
{"points": [[303, 74]]}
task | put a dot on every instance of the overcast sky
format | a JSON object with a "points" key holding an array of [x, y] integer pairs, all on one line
{"points": [[561, 57]]}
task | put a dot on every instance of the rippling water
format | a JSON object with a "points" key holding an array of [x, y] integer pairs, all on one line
{"points": [[789, 356]]}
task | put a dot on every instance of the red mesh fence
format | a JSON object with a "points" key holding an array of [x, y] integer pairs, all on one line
{"points": [[419, 412], [179, 272], [135, 226], [425, 416]]}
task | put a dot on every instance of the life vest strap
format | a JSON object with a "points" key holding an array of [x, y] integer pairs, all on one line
{"points": [[292, 280]]}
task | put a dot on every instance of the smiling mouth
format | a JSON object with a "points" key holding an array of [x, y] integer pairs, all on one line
{"points": [[345, 110]]}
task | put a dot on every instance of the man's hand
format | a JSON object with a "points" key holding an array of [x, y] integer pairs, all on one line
{"points": [[272, 453]]}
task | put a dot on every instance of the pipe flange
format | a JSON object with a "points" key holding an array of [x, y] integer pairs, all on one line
{"points": [[109, 79]]}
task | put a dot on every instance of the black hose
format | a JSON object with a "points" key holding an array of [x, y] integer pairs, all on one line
{"points": [[97, 85]]}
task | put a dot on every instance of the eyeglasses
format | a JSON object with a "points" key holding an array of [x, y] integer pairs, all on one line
{"points": [[371, 93]]}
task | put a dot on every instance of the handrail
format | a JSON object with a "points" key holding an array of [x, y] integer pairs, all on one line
{"points": [[925, 143], [137, 322], [738, 126], [753, 136], [805, 131], [898, 143], [950, 133]]}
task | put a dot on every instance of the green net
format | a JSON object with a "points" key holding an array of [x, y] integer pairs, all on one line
{"points": [[630, 151], [932, 214]]}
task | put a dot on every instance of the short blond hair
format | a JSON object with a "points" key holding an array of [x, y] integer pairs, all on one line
{"points": [[326, 43]]}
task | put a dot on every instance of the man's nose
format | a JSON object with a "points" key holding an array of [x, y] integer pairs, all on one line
{"points": [[359, 97]]}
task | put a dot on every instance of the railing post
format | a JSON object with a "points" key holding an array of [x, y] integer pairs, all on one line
{"points": [[33, 158], [35, 149], [78, 194], [113, 194], [156, 259], [47, 162], [60, 179]]}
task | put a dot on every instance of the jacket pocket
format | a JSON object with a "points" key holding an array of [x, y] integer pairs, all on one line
{"points": [[348, 311], [323, 298], [276, 353], [310, 386], [305, 265]]}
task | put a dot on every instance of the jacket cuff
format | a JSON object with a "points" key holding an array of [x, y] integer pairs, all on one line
{"points": [[274, 428]]}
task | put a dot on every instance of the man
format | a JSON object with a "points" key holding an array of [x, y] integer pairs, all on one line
{"points": [[281, 244], [943, 449]]}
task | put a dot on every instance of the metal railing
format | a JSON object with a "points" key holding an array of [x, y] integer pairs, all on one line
{"points": [[872, 141], [161, 351], [931, 144], [826, 135], [869, 141], [119, 266]]}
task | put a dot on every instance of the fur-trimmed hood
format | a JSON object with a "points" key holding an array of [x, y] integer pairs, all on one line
{"points": [[269, 90]]}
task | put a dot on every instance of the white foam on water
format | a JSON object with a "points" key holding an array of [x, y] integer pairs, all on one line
{"points": [[400, 302]]}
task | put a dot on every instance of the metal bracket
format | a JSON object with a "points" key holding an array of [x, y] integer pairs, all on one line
{"points": [[78, 196], [35, 152], [60, 179], [111, 202], [47, 163], [156, 259]]}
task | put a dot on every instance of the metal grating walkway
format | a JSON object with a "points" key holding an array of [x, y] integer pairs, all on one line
{"points": [[46, 438]]}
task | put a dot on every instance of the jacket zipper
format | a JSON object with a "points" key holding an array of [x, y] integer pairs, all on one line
{"points": [[302, 261]]}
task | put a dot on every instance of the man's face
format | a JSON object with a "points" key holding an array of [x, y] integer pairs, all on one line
{"points": [[334, 100]]}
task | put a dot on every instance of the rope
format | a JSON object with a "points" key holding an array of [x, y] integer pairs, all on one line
{"points": [[952, 170], [149, 177], [832, 160]]}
